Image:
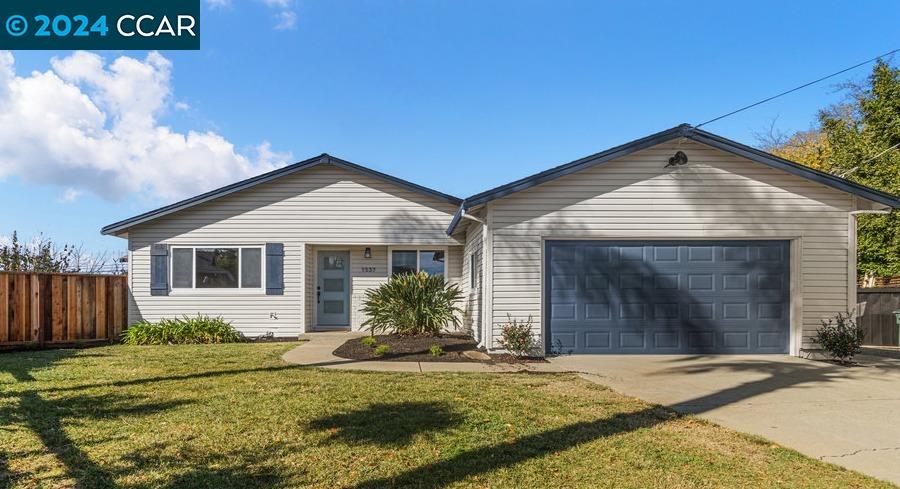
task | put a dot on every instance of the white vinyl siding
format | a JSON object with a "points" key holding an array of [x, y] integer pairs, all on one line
{"points": [[716, 195], [324, 205], [473, 253]]}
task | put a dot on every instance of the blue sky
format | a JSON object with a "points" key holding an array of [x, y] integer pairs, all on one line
{"points": [[461, 96]]}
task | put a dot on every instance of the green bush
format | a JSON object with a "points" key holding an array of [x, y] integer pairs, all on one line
{"points": [[184, 330], [841, 337], [412, 304], [517, 337], [382, 350], [368, 341], [436, 350]]}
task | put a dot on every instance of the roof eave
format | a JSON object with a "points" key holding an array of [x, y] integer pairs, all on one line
{"points": [[698, 135], [827, 179]]}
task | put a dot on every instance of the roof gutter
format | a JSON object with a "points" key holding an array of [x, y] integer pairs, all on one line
{"points": [[456, 218]]}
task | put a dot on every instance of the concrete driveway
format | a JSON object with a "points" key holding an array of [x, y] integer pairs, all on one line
{"points": [[847, 416]]}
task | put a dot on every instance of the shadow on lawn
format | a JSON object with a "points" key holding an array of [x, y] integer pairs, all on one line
{"points": [[488, 459], [43, 415], [208, 469], [47, 412], [389, 424]]}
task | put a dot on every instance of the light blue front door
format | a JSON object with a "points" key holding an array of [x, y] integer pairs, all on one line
{"points": [[333, 289]]}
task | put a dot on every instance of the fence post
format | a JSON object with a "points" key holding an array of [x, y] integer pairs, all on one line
{"points": [[4, 308], [56, 314], [100, 328], [37, 332]]}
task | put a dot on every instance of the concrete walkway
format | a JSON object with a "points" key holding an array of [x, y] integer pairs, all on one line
{"points": [[846, 416]]}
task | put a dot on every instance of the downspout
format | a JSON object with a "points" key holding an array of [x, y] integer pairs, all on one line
{"points": [[466, 215]]}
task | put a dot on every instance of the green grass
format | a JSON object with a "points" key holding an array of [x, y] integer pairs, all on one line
{"points": [[221, 416]]}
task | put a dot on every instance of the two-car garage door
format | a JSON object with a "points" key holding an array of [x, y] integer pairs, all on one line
{"points": [[667, 296]]}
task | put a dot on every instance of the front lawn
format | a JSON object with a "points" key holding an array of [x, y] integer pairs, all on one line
{"points": [[236, 416]]}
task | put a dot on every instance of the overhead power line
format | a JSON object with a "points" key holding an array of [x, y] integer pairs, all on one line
{"points": [[876, 58], [850, 171]]}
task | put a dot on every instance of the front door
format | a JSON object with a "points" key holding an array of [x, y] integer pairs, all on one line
{"points": [[333, 289]]}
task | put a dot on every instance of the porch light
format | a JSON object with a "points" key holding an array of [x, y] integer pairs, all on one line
{"points": [[678, 159], [367, 253]]}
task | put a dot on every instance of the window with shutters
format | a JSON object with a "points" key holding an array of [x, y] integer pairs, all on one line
{"points": [[217, 267]]}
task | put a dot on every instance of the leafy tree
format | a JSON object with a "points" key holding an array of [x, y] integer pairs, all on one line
{"points": [[39, 256], [45, 256], [859, 140], [810, 148]]}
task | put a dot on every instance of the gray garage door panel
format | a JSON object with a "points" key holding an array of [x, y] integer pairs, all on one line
{"points": [[668, 296]]}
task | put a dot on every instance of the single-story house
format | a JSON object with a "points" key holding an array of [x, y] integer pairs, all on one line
{"points": [[679, 242]]}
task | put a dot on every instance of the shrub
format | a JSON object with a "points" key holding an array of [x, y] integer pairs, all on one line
{"points": [[841, 337], [436, 350], [184, 330], [411, 304], [517, 338], [368, 341], [382, 350]]}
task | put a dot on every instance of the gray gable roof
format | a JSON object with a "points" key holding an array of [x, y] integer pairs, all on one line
{"points": [[681, 131], [324, 158]]}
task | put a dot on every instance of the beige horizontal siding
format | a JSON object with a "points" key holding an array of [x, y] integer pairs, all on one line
{"points": [[324, 205], [473, 303], [717, 195]]}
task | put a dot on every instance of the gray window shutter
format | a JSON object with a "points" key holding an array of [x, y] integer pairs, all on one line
{"points": [[274, 269], [159, 269]]}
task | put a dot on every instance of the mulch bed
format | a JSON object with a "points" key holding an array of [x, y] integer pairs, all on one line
{"points": [[410, 348]]}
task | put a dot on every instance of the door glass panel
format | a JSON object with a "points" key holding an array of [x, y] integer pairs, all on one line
{"points": [[333, 262], [431, 262], [334, 284], [333, 307]]}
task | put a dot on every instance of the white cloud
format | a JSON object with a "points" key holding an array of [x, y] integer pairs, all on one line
{"points": [[182, 106], [70, 195], [278, 3], [286, 19], [215, 4], [90, 126]]}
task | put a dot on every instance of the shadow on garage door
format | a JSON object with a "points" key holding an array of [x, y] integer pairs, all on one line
{"points": [[658, 297]]}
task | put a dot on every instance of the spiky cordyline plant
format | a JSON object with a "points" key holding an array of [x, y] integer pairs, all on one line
{"points": [[412, 304]]}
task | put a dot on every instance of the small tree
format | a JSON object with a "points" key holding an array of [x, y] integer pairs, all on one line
{"points": [[841, 337], [42, 255]]}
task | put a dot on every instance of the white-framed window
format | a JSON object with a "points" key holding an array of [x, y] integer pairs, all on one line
{"points": [[217, 267], [411, 259]]}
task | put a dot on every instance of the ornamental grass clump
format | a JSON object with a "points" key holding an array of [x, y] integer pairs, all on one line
{"points": [[412, 304], [184, 330]]}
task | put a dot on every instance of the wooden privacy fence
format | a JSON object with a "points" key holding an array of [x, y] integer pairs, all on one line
{"points": [[47, 309], [876, 318]]}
